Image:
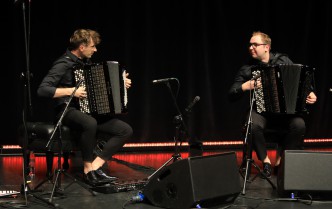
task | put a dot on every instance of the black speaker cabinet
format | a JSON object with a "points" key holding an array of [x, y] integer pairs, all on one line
{"points": [[305, 172], [207, 181]]}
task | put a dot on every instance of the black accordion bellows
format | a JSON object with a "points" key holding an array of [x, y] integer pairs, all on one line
{"points": [[106, 92], [284, 88]]}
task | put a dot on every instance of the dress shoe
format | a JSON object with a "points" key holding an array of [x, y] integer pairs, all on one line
{"points": [[93, 179], [267, 169], [101, 175]]}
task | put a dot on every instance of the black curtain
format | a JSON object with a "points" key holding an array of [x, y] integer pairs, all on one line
{"points": [[202, 43]]}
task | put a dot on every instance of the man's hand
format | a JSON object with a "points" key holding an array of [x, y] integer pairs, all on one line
{"points": [[127, 80], [311, 98], [80, 92], [251, 84]]}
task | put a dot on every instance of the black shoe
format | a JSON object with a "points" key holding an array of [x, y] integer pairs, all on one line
{"points": [[92, 179], [101, 175], [267, 169]]}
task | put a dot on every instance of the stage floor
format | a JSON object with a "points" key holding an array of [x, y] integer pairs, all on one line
{"points": [[132, 169]]}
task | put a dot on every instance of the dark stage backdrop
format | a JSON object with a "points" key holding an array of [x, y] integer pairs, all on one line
{"points": [[202, 43]]}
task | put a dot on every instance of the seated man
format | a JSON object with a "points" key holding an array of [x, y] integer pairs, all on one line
{"points": [[59, 84], [259, 49]]}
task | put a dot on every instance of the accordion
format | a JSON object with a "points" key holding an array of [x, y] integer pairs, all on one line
{"points": [[105, 87], [284, 88]]}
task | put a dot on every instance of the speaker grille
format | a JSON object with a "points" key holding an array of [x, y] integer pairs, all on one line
{"points": [[305, 171], [209, 180]]}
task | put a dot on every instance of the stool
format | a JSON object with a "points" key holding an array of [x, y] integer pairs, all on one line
{"points": [[273, 135], [38, 135], [247, 160]]}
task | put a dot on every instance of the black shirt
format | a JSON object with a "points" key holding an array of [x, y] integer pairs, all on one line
{"points": [[61, 75], [244, 74]]}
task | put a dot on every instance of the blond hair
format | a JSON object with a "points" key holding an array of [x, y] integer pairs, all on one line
{"points": [[83, 36], [265, 38]]}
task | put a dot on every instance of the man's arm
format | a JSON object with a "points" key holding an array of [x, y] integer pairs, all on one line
{"points": [[241, 84]]}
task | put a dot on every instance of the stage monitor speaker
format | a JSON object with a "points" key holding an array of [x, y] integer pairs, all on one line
{"points": [[305, 172], [208, 181]]}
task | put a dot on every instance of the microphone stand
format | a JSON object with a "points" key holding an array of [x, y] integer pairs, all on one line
{"points": [[26, 80], [248, 148], [180, 131], [57, 181]]}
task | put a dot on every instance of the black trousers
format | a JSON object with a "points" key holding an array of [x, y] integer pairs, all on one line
{"points": [[114, 131], [293, 125]]}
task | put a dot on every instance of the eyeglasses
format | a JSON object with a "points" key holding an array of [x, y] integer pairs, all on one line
{"points": [[255, 45]]}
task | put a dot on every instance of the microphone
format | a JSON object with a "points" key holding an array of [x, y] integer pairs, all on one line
{"points": [[191, 105], [162, 80]]}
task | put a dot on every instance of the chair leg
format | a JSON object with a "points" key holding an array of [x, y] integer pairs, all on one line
{"points": [[49, 163], [27, 161], [65, 164]]}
